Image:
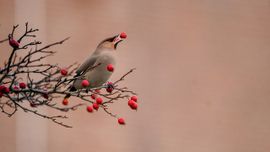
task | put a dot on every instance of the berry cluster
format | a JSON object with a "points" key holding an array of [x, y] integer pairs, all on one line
{"points": [[6, 90], [132, 103], [97, 100]]}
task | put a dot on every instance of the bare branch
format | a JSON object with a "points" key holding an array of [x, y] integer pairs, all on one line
{"points": [[24, 79]]}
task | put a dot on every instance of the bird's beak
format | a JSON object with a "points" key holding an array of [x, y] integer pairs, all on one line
{"points": [[118, 38]]}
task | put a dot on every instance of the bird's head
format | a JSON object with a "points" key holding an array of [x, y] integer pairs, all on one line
{"points": [[112, 42]]}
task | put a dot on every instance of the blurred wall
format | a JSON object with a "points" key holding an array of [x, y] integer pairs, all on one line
{"points": [[202, 74], [8, 125]]}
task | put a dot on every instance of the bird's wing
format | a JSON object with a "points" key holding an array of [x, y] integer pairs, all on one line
{"points": [[88, 63]]}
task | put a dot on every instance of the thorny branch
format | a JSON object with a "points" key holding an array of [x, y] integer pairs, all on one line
{"points": [[44, 82]]}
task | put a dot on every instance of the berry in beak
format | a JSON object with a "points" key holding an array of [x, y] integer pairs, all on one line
{"points": [[120, 37]]}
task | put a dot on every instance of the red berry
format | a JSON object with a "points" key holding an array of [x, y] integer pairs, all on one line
{"points": [[85, 83], [134, 98], [2, 88], [65, 102], [121, 121], [99, 100], [22, 85], [6, 90], [89, 109], [64, 72], [110, 67], [16, 88], [110, 87], [95, 106], [14, 43], [132, 104], [109, 90], [46, 96], [93, 96], [123, 35]]}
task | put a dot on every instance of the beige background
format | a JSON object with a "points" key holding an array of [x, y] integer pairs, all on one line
{"points": [[202, 75]]}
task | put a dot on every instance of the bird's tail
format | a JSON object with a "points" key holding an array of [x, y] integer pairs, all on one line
{"points": [[72, 89]]}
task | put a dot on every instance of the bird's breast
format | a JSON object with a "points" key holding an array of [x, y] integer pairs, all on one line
{"points": [[100, 75]]}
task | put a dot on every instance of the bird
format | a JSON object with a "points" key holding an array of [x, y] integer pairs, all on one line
{"points": [[95, 68]]}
